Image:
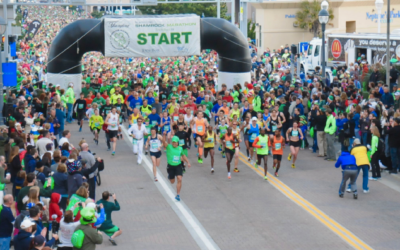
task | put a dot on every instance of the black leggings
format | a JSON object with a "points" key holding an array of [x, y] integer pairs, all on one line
{"points": [[376, 170]]}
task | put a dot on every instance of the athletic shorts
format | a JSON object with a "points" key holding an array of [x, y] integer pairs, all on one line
{"points": [[246, 137], [230, 151], [174, 171], [295, 144], [277, 157], [95, 129], [208, 149], [80, 116], [112, 133], [156, 154], [110, 231]]}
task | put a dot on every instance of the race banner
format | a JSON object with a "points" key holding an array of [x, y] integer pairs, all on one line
{"points": [[25, 14], [33, 29], [146, 37]]}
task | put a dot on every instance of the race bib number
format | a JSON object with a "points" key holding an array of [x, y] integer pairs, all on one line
{"points": [[134, 142], [166, 128], [181, 142], [211, 140], [263, 144], [80, 106], [154, 145], [176, 118], [278, 146], [163, 96], [176, 159], [274, 127], [200, 129], [137, 106], [228, 144], [96, 124], [253, 137], [134, 121], [295, 133], [148, 130], [223, 130], [154, 123], [113, 124]]}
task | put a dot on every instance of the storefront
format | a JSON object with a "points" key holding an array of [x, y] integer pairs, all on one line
{"points": [[278, 27]]}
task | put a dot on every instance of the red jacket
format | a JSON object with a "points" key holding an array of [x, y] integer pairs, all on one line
{"points": [[54, 208]]}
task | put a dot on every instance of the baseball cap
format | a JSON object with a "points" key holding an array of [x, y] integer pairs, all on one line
{"points": [[27, 223], [38, 241], [70, 84], [254, 119], [175, 139], [58, 85]]}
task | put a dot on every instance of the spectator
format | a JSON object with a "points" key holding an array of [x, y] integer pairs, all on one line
{"points": [[60, 178], [92, 237], [107, 227], [90, 162], [30, 160], [23, 239], [330, 129], [3, 179], [31, 179], [350, 171], [15, 163], [67, 228], [41, 143], [6, 222]]}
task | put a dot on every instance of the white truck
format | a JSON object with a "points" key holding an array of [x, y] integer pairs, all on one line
{"points": [[343, 49]]}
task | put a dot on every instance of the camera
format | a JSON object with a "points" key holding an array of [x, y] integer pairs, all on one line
{"points": [[111, 194]]}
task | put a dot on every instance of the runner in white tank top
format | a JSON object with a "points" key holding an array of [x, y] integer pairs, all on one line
{"points": [[112, 120]]}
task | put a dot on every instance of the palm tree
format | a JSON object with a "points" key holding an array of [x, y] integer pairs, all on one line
{"points": [[307, 17]]}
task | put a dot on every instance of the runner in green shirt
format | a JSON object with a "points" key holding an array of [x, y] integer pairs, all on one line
{"points": [[174, 159]]}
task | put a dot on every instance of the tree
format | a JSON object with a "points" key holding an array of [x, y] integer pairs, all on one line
{"points": [[251, 29], [307, 16], [200, 9], [97, 14]]}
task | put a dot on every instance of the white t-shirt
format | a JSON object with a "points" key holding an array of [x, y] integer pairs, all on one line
{"points": [[66, 231], [64, 140], [139, 133]]}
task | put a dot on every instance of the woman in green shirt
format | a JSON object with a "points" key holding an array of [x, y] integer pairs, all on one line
{"points": [[235, 94], [375, 154]]}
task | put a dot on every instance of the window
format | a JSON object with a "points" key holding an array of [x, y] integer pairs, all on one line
{"points": [[310, 50], [317, 50]]}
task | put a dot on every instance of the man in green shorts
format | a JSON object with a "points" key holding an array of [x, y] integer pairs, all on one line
{"points": [[174, 158], [107, 226]]}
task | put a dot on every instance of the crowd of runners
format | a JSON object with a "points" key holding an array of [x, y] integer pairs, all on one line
{"points": [[169, 105]]}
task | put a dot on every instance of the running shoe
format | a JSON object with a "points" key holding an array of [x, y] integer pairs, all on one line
{"points": [[293, 166], [372, 179], [145, 153], [256, 165], [212, 170], [289, 158], [266, 178], [108, 149], [274, 167], [195, 145], [348, 190], [117, 137], [121, 136], [200, 160], [80, 129], [113, 242], [223, 155], [229, 175], [113, 153], [236, 170], [276, 174], [79, 123], [155, 179], [355, 196], [178, 198], [341, 195], [220, 149], [248, 158], [366, 191], [252, 162], [184, 170]]}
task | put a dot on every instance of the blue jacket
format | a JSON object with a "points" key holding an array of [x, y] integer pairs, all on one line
{"points": [[30, 163], [301, 108], [387, 99], [60, 183], [346, 159], [340, 123], [22, 240], [216, 108], [61, 118]]}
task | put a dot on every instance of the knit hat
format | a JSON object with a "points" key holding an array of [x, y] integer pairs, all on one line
{"points": [[73, 166], [331, 98], [88, 216], [249, 86]]}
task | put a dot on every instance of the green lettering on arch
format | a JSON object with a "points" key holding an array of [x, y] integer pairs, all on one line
{"points": [[142, 39], [163, 39], [153, 37], [175, 37], [186, 35]]}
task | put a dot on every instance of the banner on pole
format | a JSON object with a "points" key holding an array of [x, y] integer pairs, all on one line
{"points": [[146, 37], [33, 29], [9, 74]]}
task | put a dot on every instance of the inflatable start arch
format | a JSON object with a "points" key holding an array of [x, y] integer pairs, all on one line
{"points": [[144, 36]]}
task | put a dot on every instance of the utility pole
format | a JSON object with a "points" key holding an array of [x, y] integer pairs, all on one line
{"points": [[388, 44]]}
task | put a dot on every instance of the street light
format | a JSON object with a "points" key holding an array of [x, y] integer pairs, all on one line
{"points": [[378, 6], [323, 17], [259, 30], [3, 27]]}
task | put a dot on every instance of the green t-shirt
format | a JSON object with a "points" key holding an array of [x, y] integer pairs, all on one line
{"points": [[209, 105], [174, 155]]}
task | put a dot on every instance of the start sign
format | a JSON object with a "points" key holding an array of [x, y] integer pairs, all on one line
{"points": [[146, 37], [336, 48]]}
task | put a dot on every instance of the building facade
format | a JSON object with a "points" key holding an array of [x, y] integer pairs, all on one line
{"points": [[277, 20]]}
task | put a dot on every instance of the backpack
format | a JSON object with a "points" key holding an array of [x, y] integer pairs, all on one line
{"points": [[381, 147], [77, 238]]}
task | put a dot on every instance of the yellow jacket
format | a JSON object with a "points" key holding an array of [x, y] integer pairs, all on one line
{"points": [[360, 153]]}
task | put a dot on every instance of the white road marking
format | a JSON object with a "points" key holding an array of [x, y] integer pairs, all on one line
{"points": [[198, 232]]}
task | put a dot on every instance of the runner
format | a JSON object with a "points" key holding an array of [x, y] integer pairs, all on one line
{"points": [[138, 132], [80, 106], [184, 138], [229, 140], [278, 144], [174, 159], [236, 132], [96, 123], [245, 132], [112, 121], [221, 131], [296, 136], [253, 131], [200, 125], [209, 143], [166, 125], [154, 145], [261, 143]]}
